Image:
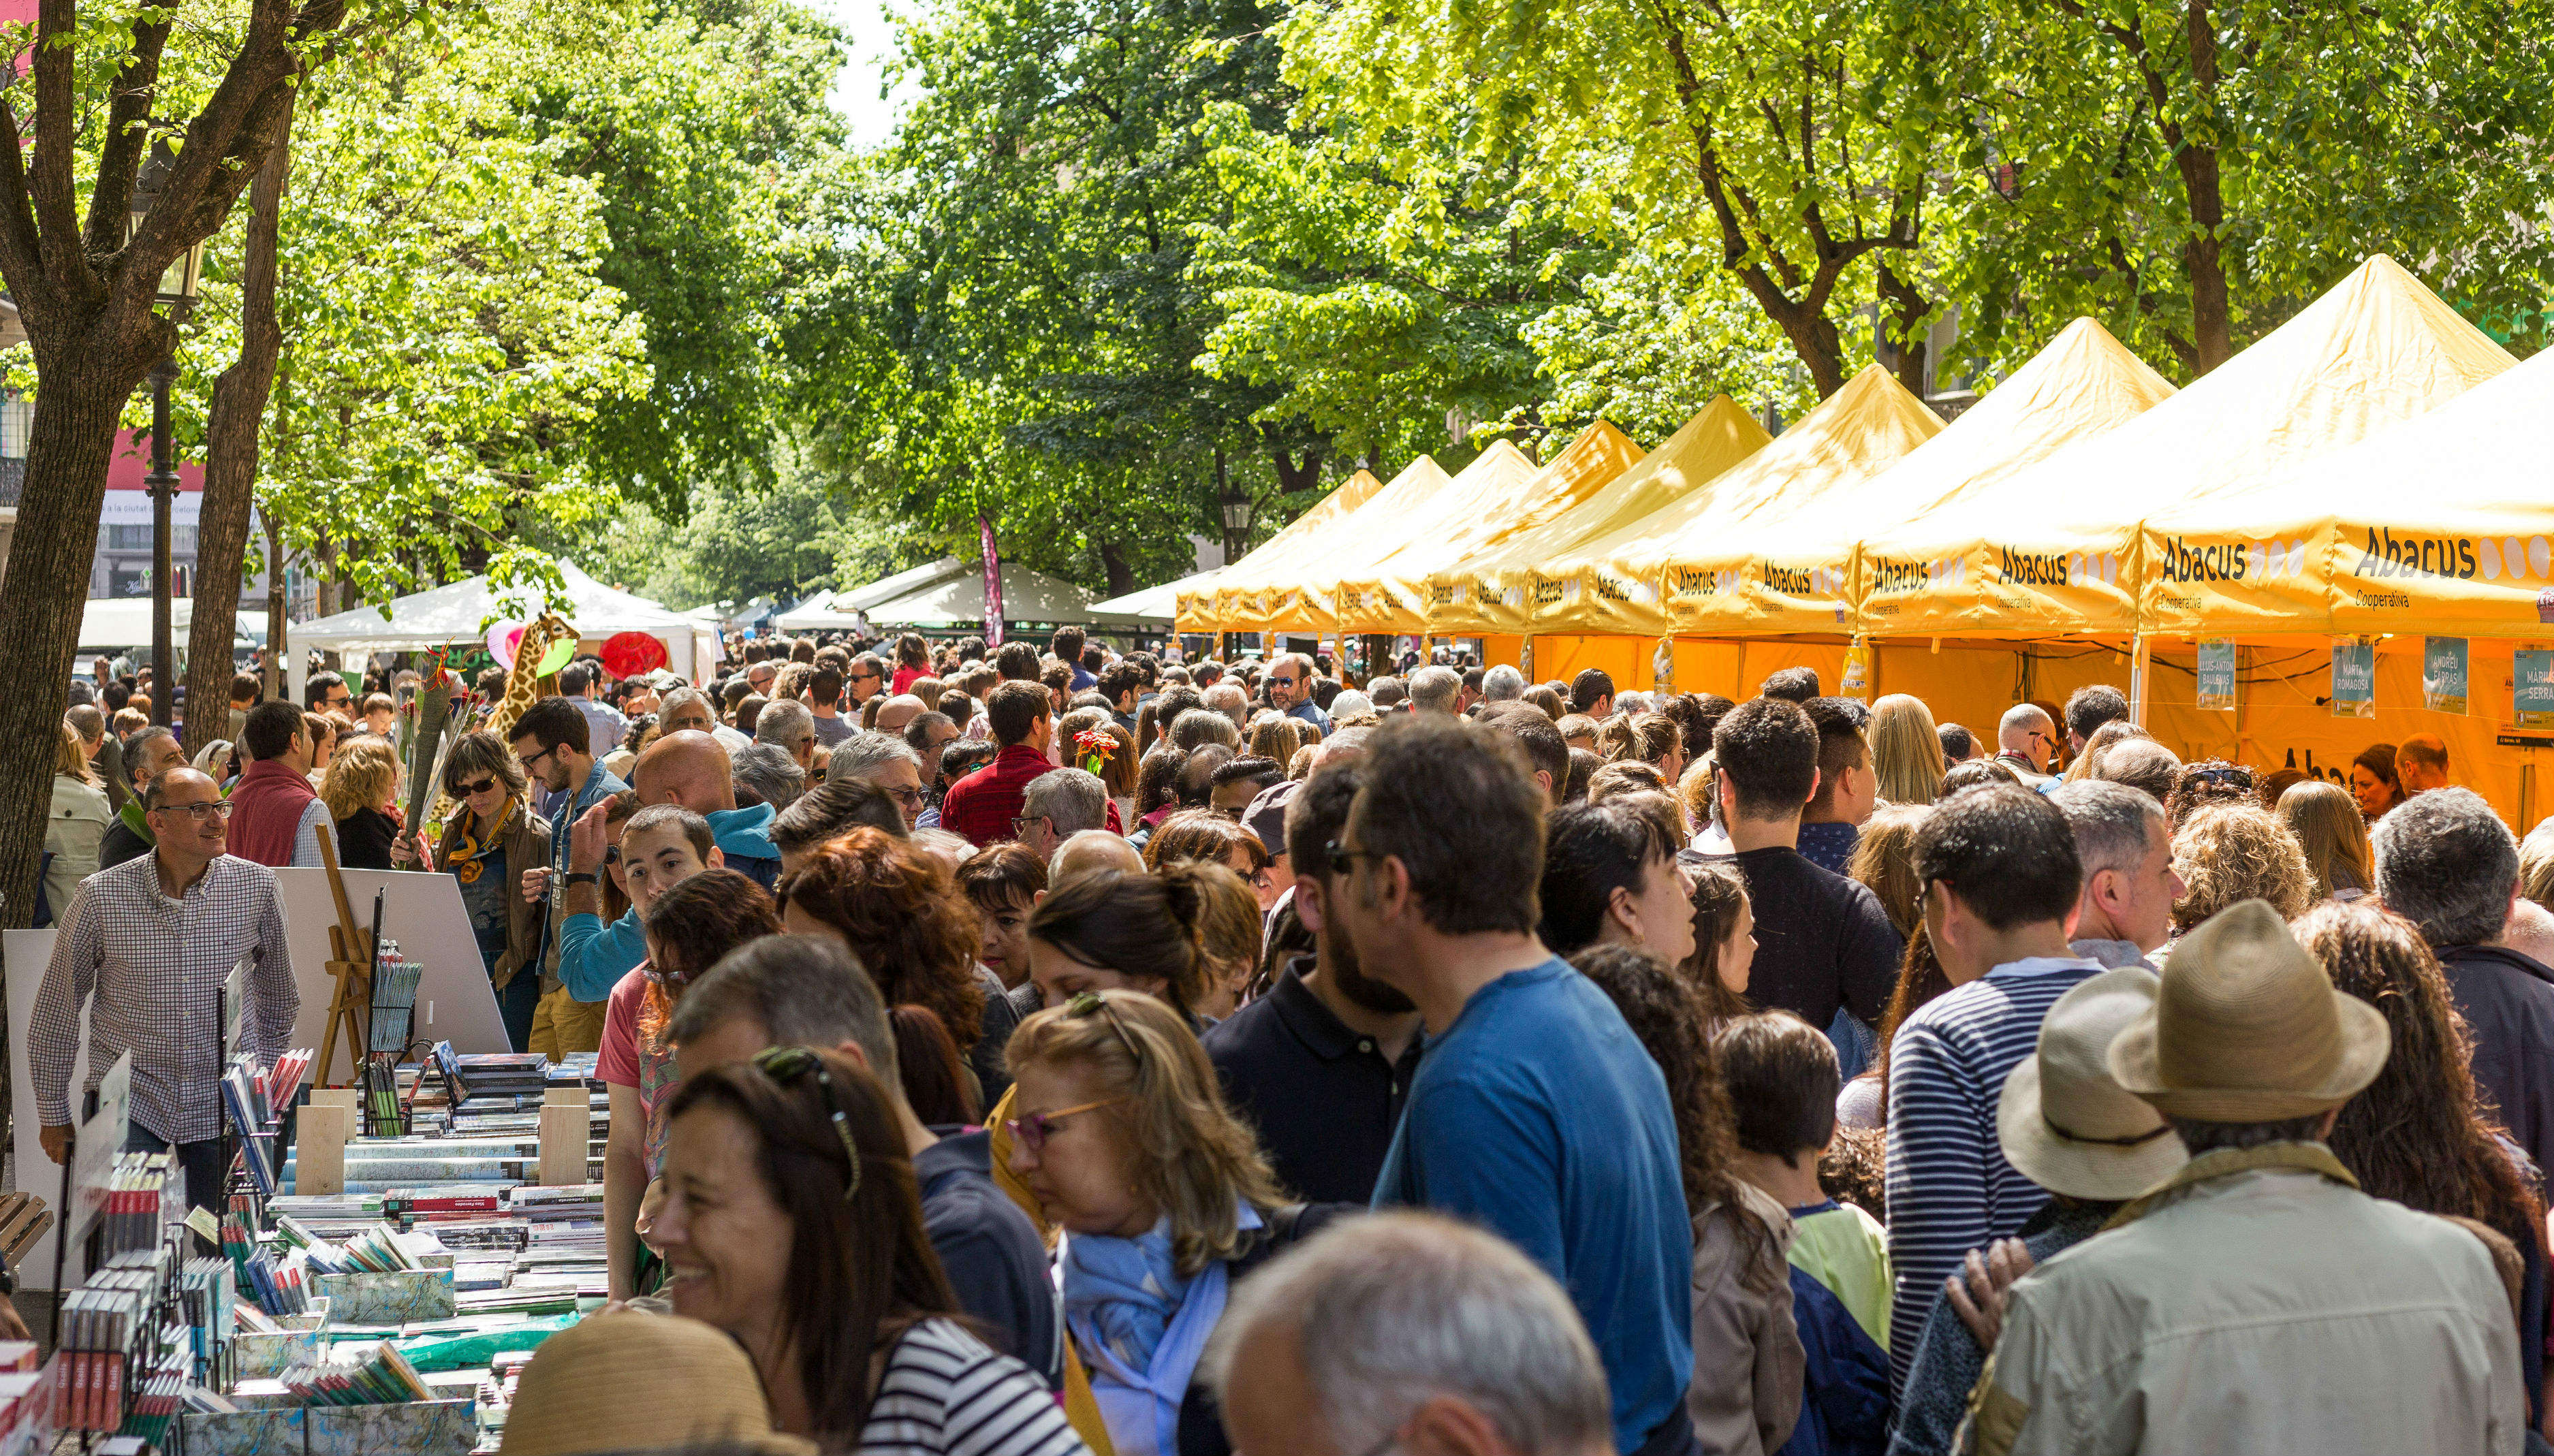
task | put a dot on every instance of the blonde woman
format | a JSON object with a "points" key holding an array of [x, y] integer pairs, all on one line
{"points": [[1906, 750], [2334, 834], [361, 782], [1277, 738], [1120, 1130], [73, 827]]}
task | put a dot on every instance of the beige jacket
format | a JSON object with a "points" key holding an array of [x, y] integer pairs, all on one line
{"points": [[2258, 1302], [1748, 1364], [78, 818]]}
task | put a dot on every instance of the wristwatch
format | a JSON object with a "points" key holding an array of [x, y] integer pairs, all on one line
{"points": [[580, 877]]}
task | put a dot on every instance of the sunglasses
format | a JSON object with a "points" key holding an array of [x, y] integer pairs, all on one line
{"points": [[785, 1064], [1345, 857], [2241, 778], [1092, 1003], [481, 787], [1031, 1131]]}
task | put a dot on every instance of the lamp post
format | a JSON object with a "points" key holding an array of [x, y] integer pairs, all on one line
{"points": [[1236, 529], [178, 288]]}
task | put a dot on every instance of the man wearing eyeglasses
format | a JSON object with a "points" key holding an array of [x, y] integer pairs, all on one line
{"points": [[1290, 690], [2025, 739], [551, 741], [146, 949]]}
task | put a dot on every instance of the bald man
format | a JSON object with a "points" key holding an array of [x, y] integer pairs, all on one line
{"points": [[690, 769], [1091, 850], [2422, 764], [2023, 740], [898, 710]]}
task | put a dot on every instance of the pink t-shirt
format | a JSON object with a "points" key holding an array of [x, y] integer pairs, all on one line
{"points": [[624, 1061]]}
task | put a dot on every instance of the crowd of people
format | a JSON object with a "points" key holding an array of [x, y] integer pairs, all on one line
{"points": [[1028, 1051]]}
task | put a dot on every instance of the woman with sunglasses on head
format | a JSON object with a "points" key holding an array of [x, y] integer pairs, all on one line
{"points": [[486, 846], [793, 1221], [1120, 1133], [1216, 837], [688, 927]]}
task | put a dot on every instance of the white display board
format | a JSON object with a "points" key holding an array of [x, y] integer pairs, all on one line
{"points": [[424, 912], [25, 952]]}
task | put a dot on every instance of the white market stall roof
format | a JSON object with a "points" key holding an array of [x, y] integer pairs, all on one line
{"points": [[124, 622], [460, 611], [841, 611], [1154, 605], [956, 599]]}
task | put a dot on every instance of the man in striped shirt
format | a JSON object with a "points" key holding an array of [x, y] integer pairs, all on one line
{"points": [[2001, 877]]}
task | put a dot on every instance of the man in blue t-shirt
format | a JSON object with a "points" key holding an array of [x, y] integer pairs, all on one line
{"points": [[1535, 1111]]}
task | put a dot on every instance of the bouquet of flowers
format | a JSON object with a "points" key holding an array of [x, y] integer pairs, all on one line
{"points": [[1094, 746]]}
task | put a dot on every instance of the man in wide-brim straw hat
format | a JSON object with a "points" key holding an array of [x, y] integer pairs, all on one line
{"points": [[2255, 1301]]}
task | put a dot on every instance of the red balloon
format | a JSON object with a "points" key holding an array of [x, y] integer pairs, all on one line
{"points": [[629, 654]]}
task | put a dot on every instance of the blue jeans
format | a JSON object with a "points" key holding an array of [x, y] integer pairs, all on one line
{"points": [[515, 1002]]}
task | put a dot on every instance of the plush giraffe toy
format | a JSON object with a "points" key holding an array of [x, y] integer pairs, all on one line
{"points": [[525, 686]]}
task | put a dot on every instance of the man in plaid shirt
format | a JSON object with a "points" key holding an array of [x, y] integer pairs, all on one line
{"points": [[983, 805], [147, 946]]}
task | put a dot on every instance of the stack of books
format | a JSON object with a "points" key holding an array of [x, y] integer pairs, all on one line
{"points": [[136, 1187], [383, 1377], [100, 1325]]}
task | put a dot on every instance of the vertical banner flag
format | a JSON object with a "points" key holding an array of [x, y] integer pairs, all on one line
{"points": [[2443, 674], [2354, 679], [2532, 689], [992, 582], [2217, 676], [1857, 671]]}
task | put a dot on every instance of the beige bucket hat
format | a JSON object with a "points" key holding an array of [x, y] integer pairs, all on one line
{"points": [[2247, 1028], [2065, 1123], [629, 1381]]}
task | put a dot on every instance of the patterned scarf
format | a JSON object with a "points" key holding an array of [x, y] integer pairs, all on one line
{"points": [[466, 854]]}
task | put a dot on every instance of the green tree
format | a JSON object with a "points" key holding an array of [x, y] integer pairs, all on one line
{"points": [[2192, 171]]}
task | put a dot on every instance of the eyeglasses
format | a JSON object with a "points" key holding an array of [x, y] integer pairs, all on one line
{"points": [[1022, 825], [2241, 778], [1031, 1131], [910, 798], [481, 787], [340, 700], [1343, 857], [544, 754], [201, 812], [1287, 681], [785, 1064]]}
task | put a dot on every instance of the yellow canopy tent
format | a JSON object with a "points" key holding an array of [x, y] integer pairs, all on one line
{"points": [[2084, 384], [1348, 588], [2057, 548], [1399, 596], [1237, 596], [2437, 528], [1487, 594], [1694, 547]]}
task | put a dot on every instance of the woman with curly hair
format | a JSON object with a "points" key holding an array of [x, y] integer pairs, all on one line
{"points": [[2234, 851], [2209, 781], [2417, 1134], [1748, 1362], [898, 907]]}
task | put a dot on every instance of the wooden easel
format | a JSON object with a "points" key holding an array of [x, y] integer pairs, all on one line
{"points": [[352, 969]]}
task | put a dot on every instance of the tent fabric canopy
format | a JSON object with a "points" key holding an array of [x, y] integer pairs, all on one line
{"points": [[1684, 567], [124, 622], [1157, 605], [1400, 596], [1491, 592], [957, 599], [1338, 593], [2058, 547], [2083, 384], [461, 612], [839, 610], [2436, 527], [1254, 591]]}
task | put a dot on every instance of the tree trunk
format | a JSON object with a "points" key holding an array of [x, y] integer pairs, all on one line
{"points": [[1905, 300], [77, 409], [2211, 317], [1293, 476], [1121, 577], [230, 459]]}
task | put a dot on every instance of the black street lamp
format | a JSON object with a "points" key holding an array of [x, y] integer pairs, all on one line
{"points": [[178, 288], [1236, 528]]}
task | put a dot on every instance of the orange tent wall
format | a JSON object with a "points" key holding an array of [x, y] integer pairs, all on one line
{"points": [[2279, 721]]}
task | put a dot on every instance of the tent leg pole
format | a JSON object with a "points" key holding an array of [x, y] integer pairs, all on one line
{"points": [[2137, 675]]}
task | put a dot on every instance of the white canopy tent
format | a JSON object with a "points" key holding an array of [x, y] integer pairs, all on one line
{"points": [[461, 613], [1154, 605], [124, 622], [843, 611], [957, 599]]}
